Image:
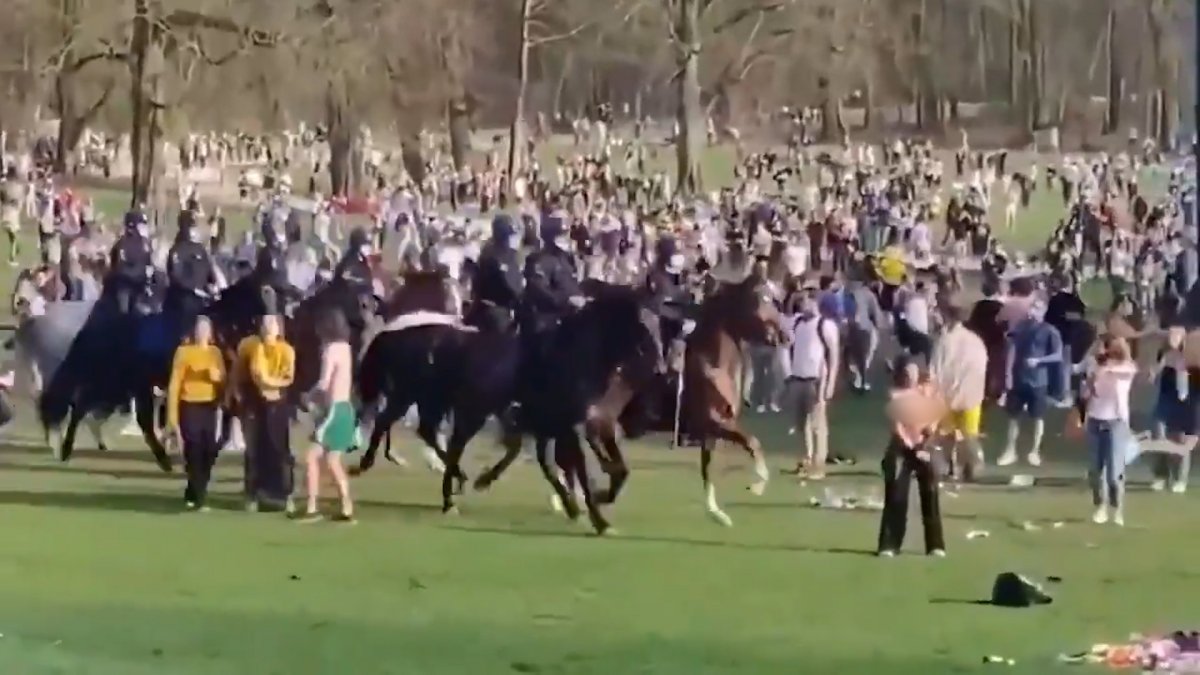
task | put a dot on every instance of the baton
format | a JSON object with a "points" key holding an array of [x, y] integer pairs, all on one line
{"points": [[678, 402]]}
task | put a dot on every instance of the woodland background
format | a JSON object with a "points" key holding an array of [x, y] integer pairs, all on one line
{"points": [[158, 69]]}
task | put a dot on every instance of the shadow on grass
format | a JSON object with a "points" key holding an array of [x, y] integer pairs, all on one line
{"points": [[39, 450], [132, 474], [700, 543], [158, 503]]}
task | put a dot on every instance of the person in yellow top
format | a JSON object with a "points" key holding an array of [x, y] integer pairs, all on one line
{"points": [[197, 377], [266, 369], [891, 269]]}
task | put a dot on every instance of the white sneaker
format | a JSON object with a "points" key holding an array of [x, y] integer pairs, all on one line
{"points": [[1008, 458], [1158, 485], [938, 553], [887, 554], [1118, 518], [761, 409], [1179, 487], [1100, 517], [775, 408], [1034, 459]]}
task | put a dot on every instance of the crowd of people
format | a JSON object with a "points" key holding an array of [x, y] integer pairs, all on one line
{"points": [[845, 242]]}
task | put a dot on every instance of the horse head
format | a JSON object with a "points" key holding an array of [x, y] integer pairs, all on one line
{"points": [[745, 311]]}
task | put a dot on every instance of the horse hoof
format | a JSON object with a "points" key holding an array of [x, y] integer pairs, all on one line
{"points": [[483, 483], [556, 504], [604, 497], [606, 531], [572, 510], [356, 471], [722, 518], [451, 510], [102, 447], [758, 489]]}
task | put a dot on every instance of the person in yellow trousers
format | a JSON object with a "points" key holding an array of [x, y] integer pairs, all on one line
{"points": [[197, 378], [959, 370]]}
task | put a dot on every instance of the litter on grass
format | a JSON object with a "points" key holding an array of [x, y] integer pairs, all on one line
{"points": [[1177, 652], [847, 501]]}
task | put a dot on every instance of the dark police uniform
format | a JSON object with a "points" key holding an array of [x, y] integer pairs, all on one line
{"points": [[131, 267], [189, 273], [550, 283], [498, 281], [270, 269], [670, 299], [353, 267]]}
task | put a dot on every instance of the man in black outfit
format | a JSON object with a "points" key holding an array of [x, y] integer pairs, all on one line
{"points": [[908, 455], [498, 281]]}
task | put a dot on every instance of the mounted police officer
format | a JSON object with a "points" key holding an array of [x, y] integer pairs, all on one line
{"points": [[498, 282], [270, 269], [668, 293], [551, 293], [190, 271], [354, 267], [131, 263]]}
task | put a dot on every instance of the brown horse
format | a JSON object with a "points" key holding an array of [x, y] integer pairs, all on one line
{"points": [[733, 315]]}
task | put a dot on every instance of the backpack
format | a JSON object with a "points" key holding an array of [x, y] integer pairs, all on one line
{"points": [[806, 362]]}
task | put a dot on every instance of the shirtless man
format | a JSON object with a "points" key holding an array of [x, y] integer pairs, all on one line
{"points": [[338, 430]]}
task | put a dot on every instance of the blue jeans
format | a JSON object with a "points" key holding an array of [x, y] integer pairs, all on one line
{"points": [[1107, 440]]}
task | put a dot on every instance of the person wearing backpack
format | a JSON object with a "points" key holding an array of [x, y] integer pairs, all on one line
{"points": [[812, 377]]}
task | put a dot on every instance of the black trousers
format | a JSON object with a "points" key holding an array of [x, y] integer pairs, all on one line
{"points": [[198, 429], [273, 464], [900, 465]]}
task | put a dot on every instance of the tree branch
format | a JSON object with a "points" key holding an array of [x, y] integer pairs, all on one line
{"points": [[741, 15]]}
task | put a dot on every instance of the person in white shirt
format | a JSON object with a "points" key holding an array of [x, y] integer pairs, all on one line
{"points": [[959, 369], [917, 338], [812, 379], [1108, 432]]}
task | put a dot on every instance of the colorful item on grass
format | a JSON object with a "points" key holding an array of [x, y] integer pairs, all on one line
{"points": [[1177, 652]]}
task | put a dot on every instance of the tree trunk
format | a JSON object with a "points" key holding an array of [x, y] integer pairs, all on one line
{"points": [[412, 157], [1014, 58], [833, 124], [1116, 93], [688, 113], [1166, 78], [516, 129], [341, 141], [70, 125], [146, 93], [458, 121]]}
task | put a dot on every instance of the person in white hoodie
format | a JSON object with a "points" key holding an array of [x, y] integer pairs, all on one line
{"points": [[959, 369]]}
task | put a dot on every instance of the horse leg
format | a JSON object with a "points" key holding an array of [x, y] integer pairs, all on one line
{"points": [[67, 446], [601, 435], [390, 415], [144, 409], [132, 425], [569, 442], [464, 430], [96, 426], [428, 431], [550, 472], [710, 490], [730, 431], [512, 442]]}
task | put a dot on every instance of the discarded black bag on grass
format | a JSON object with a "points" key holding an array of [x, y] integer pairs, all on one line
{"points": [[1013, 590]]}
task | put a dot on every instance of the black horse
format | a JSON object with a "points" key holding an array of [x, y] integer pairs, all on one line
{"points": [[470, 376], [117, 358], [595, 362]]}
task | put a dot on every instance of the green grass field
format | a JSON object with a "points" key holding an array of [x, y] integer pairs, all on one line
{"points": [[102, 573]]}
